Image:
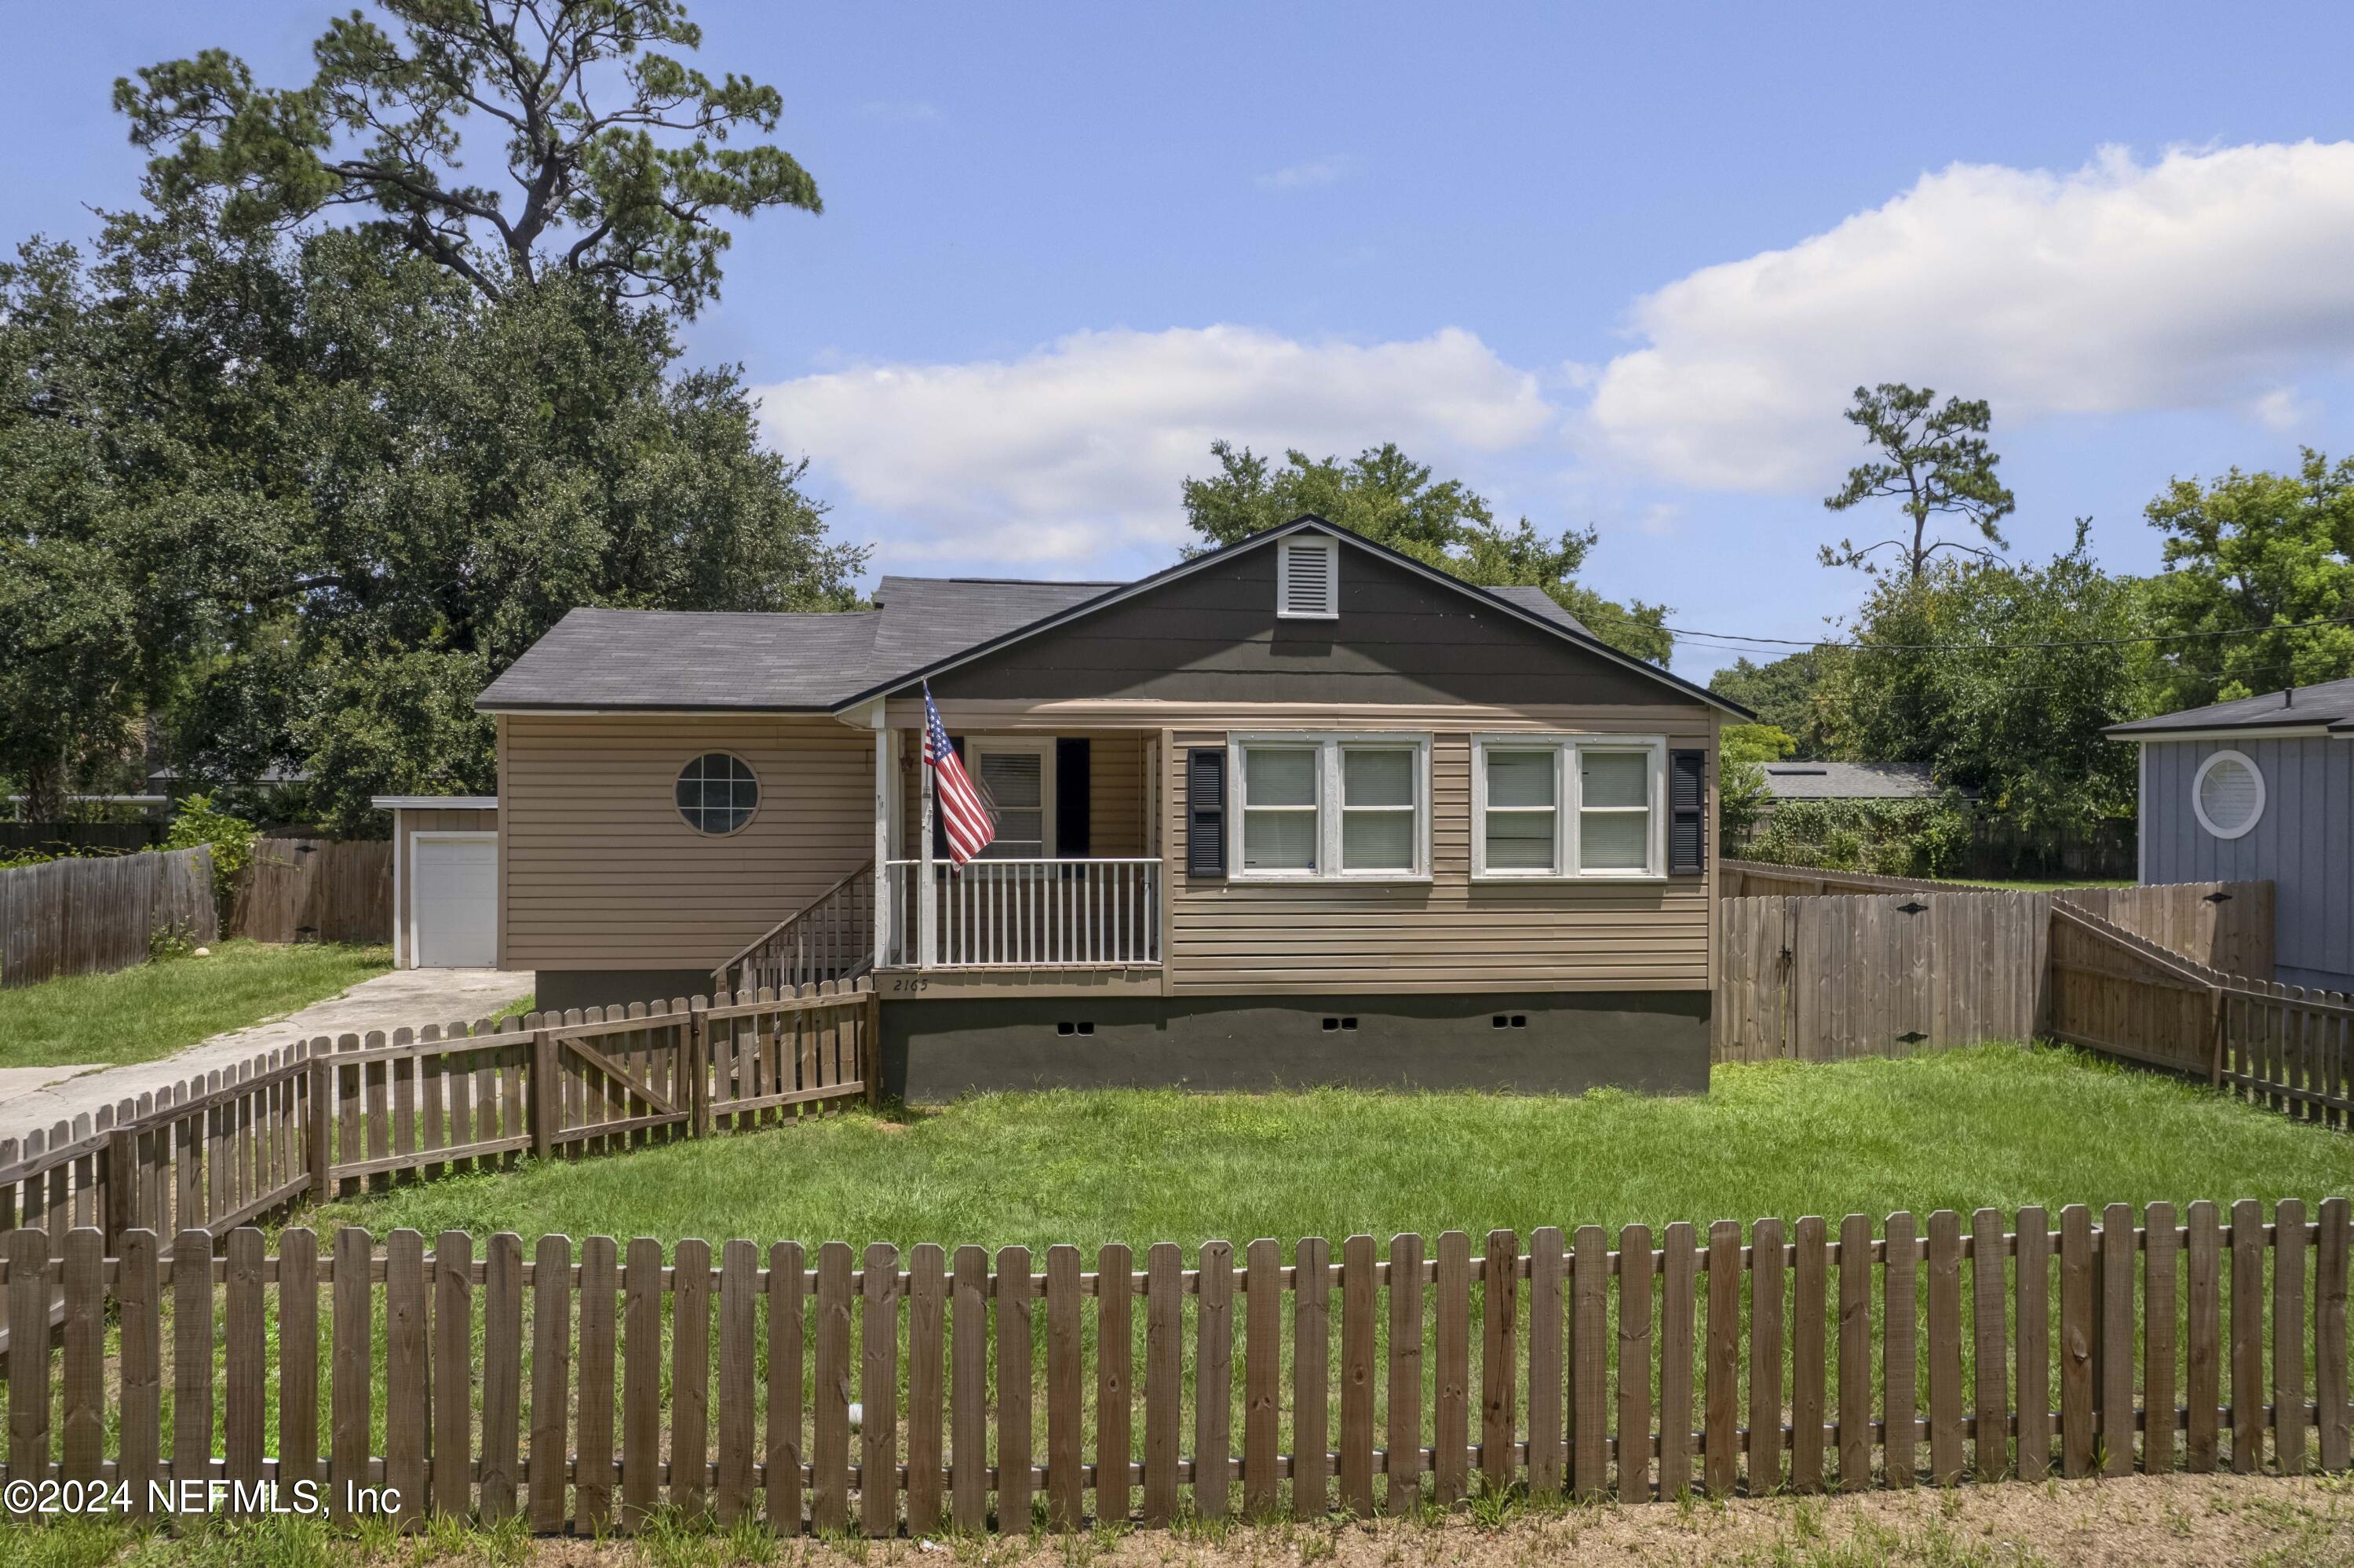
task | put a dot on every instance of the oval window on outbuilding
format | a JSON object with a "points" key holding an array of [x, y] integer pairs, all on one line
{"points": [[717, 792], [2228, 794]]}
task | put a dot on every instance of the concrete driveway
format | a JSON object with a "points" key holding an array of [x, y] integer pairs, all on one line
{"points": [[38, 1099]]}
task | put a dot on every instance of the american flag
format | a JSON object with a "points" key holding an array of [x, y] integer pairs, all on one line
{"points": [[962, 815]]}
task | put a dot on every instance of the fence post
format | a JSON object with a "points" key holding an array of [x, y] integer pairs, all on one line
{"points": [[121, 1184], [2215, 1013], [319, 1119], [871, 1043], [544, 1093], [698, 1071]]}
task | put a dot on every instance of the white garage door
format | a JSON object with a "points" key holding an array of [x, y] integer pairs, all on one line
{"points": [[455, 903]]}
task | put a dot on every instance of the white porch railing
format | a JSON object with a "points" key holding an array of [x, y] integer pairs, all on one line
{"points": [[1032, 914]]}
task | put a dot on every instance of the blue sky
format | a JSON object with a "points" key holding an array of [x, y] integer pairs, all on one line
{"points": [[1611, 265]]}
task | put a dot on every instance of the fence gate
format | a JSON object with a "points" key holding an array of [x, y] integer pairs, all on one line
{"points": [[1824, 979], [626, 1080]]}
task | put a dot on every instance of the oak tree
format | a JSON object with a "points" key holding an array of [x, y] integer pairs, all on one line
{"points": [[615, 153]]}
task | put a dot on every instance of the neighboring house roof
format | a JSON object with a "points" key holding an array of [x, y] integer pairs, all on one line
{"points": [[2327, 706], [271, 774], [699, 661], [1849, 781]]}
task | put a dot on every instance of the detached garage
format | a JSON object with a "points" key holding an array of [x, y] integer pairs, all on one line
{"points": [[445, 880]]}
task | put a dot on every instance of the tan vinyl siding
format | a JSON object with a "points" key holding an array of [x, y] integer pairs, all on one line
{"points": [[1116, 784], [601, 872], [1449, 934], [413, 821]]}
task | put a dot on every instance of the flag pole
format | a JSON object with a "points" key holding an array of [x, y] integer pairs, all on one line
{"points": [[928, 896]]}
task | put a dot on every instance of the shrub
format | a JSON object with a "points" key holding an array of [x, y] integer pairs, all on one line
{"points": [[230, 837], [1883, 838]]}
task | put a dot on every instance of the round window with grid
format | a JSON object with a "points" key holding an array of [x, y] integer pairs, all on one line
{"points": [[717, 793]]}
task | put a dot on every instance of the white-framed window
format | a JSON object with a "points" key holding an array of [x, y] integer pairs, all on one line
{"points": [[1332, 806], [1016, 781], [2228, 794], [1551, 807], [1308, 578]]}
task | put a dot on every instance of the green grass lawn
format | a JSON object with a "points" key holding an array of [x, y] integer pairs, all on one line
{"points": [[1992, 1127], [154, 1009]]}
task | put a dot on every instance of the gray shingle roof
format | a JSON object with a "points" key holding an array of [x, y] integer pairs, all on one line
{"points": [[929, 618], [1536, 601], [2331, 702], [715, 660], [692, 661], [1849, 781], [687, 660]]}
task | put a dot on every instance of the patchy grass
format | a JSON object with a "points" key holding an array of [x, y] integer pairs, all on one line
{"points": [[1993, 1126], [2169, 1520], [169, 1004]]}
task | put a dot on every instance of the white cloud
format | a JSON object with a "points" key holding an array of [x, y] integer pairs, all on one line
{"points": [[2199, 281], [1660, 519], [1329, 170], [1079, 448], [2280, 409]]}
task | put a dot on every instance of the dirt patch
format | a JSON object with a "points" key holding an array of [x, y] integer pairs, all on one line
{"points": [[2135, 1521], [2167, 1522]]}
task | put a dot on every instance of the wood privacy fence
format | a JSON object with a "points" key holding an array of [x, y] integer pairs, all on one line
{"points": [[330, 1117], [315, 890], [1822, 980], [2226, 926], [1833, 970], [124, 838], [2279, 1046], [991, 1393], [91, 914]]}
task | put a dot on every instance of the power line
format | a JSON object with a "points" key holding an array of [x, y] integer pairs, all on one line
{"points": [[1738, 641], [2172, 677]]}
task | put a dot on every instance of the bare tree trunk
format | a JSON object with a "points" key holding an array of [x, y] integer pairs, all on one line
{"points": [[45, 794]]}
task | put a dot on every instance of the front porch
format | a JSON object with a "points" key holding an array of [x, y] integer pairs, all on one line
{"points": [[1033, 913], [1067, 897]]}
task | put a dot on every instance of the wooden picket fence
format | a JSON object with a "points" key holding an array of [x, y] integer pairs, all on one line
{"points": [[328, 1117], [1753, 1359], [2284, 1047], [91, 915]]}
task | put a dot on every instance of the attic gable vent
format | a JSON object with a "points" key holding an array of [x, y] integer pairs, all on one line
{"points": [[1308, 579]]}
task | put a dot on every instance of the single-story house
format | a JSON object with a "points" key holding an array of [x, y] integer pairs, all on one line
{"points": [[2261, 789], [1299, 809]]}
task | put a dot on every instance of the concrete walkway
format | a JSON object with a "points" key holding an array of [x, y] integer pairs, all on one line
{"points": [[38, 1099]]}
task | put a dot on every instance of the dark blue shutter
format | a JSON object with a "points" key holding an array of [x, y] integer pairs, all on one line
{"points": [[1686, 813], [1205, 810]]}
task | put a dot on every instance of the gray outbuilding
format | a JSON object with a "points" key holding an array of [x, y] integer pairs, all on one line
{"points": [[2261, 789]]}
